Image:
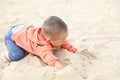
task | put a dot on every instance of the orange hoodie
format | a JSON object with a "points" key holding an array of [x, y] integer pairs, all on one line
{"points": [[30, 39]]}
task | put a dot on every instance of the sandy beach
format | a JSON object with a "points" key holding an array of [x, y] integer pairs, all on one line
{"points": [[94, 29]]}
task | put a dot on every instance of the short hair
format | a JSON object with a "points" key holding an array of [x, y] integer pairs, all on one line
{"points": [[53, 26]]}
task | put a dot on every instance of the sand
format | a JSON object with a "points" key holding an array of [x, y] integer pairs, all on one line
{"points": [[94, 28]]}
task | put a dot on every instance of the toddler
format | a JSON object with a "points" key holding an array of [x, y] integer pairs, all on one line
{"points": [[38, 41]]}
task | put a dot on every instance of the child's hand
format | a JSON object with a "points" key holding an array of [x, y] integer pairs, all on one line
{"points": [[58, 65], [72, 49]]}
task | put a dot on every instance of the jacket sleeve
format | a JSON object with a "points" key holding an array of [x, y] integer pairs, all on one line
{"points": [[46, 54], [68, 46]]}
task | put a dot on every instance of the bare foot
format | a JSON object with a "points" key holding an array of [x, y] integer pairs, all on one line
{"points": [[3, 61]]}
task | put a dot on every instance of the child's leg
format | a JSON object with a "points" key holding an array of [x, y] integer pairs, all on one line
{"points": [[15, 53]]}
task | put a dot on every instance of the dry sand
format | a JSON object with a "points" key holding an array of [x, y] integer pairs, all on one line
{"points": [[94, 28]]}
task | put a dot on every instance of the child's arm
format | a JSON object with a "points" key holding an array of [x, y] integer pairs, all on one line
{"points": [[68, 46], [46, 54]]}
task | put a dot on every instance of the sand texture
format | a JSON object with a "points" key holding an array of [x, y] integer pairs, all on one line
{"points": [[94, 29]]}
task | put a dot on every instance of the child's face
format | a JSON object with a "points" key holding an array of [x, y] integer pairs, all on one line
{"points": [[58, 42]]}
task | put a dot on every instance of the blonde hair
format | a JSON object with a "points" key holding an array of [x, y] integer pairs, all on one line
{"points": [[53, 27]]}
